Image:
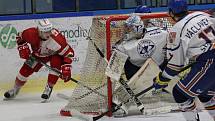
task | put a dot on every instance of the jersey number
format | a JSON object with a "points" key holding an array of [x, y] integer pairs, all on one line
{"points": [[205, 34]]}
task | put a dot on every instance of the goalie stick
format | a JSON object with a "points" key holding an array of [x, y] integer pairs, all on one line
{"points": [[74, 80], [114, 109]]}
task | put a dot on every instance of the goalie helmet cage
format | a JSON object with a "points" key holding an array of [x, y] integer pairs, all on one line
{"points": [[105, 32]]}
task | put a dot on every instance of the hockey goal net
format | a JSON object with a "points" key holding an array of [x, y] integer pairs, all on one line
{"points": [[105, 32]]}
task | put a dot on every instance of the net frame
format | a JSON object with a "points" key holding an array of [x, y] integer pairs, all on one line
{"points": [[108, 35]]}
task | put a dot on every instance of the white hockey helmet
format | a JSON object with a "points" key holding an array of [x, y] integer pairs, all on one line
{"points": [[133, 20], [44, 25]]}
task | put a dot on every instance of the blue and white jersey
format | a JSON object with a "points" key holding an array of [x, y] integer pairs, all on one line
{"points": [[151, 45], [188, 38]]}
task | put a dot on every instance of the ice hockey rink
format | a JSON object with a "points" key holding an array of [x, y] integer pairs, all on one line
{"points": [[28, 107]]}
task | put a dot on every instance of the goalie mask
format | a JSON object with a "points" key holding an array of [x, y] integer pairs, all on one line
{"points": [[44, 27], [134, 28]]}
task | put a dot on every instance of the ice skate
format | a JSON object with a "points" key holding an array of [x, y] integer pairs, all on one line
{"points": [[11, 93], [46, 93]]}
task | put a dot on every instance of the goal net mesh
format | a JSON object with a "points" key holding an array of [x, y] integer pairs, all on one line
{"points": [[105, 32]]}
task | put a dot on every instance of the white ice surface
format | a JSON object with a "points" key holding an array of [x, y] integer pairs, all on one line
{"points": [[28, 108]]}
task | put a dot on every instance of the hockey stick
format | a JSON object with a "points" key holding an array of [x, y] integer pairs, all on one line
{"points": [[139, 104], [58, 72], [114, 109], [97, 49], [65, 97], [86, 94]]}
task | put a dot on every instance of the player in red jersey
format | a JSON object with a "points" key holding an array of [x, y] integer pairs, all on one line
{"points": [[46, 44]]}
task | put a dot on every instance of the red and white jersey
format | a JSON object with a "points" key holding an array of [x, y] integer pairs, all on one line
{"points": [[189, 37], [56, 44], [152, 45]]}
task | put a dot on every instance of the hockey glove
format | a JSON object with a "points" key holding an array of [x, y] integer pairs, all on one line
{"points": [[160, 82], [24, 51], [66, 72]]}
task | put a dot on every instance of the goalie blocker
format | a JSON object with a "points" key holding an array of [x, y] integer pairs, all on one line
{"points": [[116, 65]]}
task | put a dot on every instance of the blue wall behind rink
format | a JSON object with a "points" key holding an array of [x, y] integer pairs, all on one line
{"points": [[94, 13]]}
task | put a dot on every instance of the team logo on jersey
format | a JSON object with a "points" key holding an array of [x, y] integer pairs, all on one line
{"points": [[8, 36], [146, 48]]}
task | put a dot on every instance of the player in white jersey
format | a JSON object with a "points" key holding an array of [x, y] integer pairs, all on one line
{"points": [[140, 43], [192, 37]]}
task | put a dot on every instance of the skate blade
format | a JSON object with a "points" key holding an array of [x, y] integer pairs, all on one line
{"points": [[7, 99], [45, 101], [120, 116]]}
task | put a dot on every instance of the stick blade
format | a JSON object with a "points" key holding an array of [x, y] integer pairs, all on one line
{"points": [[63, 96]]}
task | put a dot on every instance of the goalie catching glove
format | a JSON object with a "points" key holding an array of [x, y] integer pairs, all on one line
{"points": [[159, 83], [66, 72]]}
